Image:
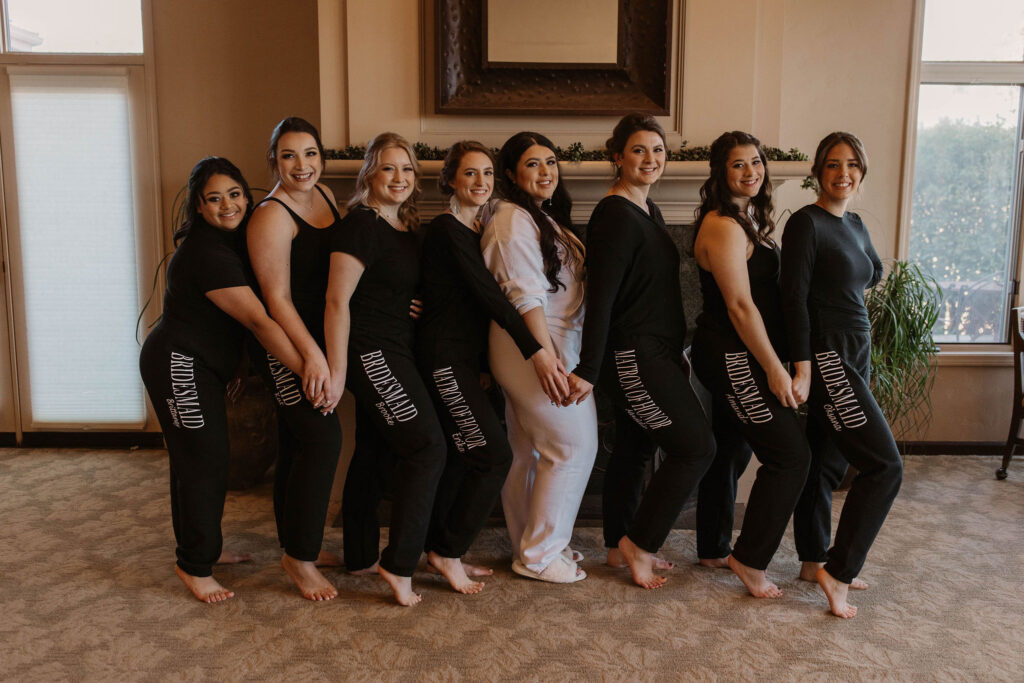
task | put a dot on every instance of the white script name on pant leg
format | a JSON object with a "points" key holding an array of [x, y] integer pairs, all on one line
{"points": [[396, 402], [746, 399], [186, 394], [844, 400], [448, 388], [642, 408], [286, 383]]}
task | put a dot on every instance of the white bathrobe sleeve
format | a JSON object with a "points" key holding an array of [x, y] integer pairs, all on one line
{"points": [[511, 250]]}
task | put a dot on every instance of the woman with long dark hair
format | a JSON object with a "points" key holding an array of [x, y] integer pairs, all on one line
{"points": [[289, 246], [537, 260], [460, 299], [827, 263], [194, 351], [633, 338], [738, 353], [374, 273]]}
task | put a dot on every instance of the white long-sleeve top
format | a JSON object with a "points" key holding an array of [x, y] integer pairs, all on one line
{"points": [[511, 250]]}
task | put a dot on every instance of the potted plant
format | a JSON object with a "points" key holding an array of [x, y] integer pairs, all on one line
{"points": [[903, 309]]}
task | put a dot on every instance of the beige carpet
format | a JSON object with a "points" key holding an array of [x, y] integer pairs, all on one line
{"points": [[87, 593]]}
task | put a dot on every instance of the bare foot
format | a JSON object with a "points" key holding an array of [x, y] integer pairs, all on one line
{"points": [[453, 570], [715, 562], [474, 570], [308, 578], [327, 559], [809, 572], [835, 591], [205, 588], [231, 557], [366, 571], [402, 586], [616, 559], [755, 580], [641, 564]]}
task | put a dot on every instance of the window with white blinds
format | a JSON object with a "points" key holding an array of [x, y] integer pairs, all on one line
{"points": [[75, 236]]}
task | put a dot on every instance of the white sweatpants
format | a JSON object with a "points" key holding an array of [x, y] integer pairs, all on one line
{"points": [[553, 450]]}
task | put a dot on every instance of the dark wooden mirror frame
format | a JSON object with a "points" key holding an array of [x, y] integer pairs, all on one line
{"points": [[467, 84]]}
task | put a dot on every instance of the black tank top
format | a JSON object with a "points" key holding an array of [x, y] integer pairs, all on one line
{"points": [[763, 268], [310, 266]]}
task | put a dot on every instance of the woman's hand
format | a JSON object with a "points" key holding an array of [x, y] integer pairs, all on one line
{"points": [[315, 375], [551, 374], [802, 381], [579, 389], [415, 309], [781, 384], [333, 390]]}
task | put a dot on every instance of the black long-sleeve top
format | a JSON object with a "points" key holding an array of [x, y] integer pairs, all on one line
{"points": [[460, 296], [632, 282], [827, 263]]}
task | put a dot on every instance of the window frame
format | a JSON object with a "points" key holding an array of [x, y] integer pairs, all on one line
{"points": [[962, 73], [140, 70]]}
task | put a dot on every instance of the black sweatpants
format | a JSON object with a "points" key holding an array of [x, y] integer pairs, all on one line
{"points": [[388, 385], [624, 477], [189, 402], [369, 478], [843, 410], [716, 496], [478, 459], [740, 389], [649, 382], [310, 444]]}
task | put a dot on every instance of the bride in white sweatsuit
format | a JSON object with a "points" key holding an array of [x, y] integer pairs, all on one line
{"points": [[539, 266]]}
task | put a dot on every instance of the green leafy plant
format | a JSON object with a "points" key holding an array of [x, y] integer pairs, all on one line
{"points": [[574, 153], [903, 308]]}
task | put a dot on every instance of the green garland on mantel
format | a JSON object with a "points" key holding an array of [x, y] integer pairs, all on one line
{"points": [[575, 152]]}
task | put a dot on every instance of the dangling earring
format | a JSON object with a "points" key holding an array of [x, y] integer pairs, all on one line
{"points": [[453, 206]]}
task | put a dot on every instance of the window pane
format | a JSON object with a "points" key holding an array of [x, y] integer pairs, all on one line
{"points": [[74, 26], [979, 30], [961, 227], [77, 232]]}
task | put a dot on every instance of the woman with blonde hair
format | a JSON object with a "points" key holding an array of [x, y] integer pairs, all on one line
{"points": [[374, 272]]}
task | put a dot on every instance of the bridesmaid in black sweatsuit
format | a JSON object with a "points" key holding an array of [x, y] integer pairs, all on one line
{"points": [[738, 353], [374, 274], [827, 263], [460, 298], [194, 351]]}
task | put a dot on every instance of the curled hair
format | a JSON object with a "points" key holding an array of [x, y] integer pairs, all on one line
{"points": [[201, 173], [830, 141], [290, 124], [559, 207], [715, 194], [623, 131], [408, 214], [453, 160]]}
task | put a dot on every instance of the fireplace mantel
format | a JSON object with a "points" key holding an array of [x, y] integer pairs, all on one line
{"points": [[677, 193]]}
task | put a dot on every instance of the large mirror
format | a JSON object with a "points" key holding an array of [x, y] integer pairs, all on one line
{"points": [[572, 57]]}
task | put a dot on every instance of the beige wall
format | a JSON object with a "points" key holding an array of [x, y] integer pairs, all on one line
{"points": [[226, 72], [788, 70]]}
